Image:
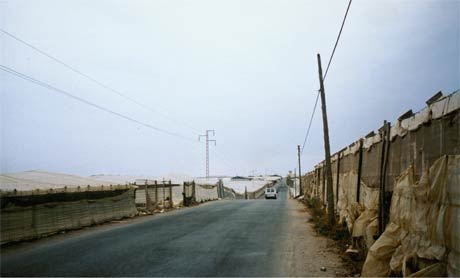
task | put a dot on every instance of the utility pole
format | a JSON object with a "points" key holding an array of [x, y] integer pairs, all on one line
{"points": [[330, 193], [208, 131], [300, 171], [295, 181]]}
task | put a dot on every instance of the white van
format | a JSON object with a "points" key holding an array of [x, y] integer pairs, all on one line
{"points": [[270, 193]]}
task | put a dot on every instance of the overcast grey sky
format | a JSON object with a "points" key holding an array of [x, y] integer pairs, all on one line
{"points": [[244, 68]]}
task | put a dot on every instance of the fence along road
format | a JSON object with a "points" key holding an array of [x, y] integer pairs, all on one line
{"points": [[224, 238]]}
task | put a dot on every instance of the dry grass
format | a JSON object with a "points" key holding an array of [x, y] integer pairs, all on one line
{"points": [[339, 233]]}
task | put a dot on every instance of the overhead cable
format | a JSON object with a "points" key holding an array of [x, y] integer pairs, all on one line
{"points": [[82, 100], [95, 80], [337, 41], [325, 74], [309, 125]]}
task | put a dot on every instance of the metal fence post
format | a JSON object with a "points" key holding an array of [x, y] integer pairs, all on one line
{"points": [[171, 204], [193, 191], [360, 164], [338, 177], [156, 193]]}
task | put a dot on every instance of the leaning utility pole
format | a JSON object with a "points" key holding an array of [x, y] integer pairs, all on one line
{"points": [[207, 148], [294, 183], [330, 193], [300, 171]]}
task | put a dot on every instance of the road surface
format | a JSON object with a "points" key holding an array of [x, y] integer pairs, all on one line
{"points": [[222, 238]]}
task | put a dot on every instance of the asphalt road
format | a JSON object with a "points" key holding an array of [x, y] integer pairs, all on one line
{"points": [[222, 238]]}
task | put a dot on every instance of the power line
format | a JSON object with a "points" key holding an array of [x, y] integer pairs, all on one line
{"points": [[47, 86], [337, 41], [224, 159], [67, 94], [309, 125], [95, 80], [327, 69], [73, 69]]}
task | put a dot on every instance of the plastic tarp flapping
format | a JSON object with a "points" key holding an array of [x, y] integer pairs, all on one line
{"points": [[361, 218], [424, 222], [347, 206], [366, 226]]}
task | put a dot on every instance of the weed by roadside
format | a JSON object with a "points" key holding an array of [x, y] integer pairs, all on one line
{"points": [[338, 232]]}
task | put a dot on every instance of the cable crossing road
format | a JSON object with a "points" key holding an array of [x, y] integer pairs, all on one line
{"points": [[222, 238]]}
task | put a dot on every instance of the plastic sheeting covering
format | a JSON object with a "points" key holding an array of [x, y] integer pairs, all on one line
{"points": [[177, 197], [205, 193], [370, 141], [310, 187], [366, 226], [22, 221], [424, 222], [42, 180], [436, 110], [347, 206], [140, 196], [361, 218]]}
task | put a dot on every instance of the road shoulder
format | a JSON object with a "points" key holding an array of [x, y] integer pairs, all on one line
{"points": [[306, 252]]}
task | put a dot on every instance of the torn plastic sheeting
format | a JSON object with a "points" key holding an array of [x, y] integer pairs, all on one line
{"points": [[453, 263], [369, 197], [425, 217], [436, 110], [354, 148], [369, 142], [453, 192], [347, 205], [434, 270], [445, 105], [349, 209], [366, 225], [413, 123], [411, 210], [380, 253], [334, 157], [397, 130]]}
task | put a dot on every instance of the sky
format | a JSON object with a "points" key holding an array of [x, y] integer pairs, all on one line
{"points": [[246, 69]]}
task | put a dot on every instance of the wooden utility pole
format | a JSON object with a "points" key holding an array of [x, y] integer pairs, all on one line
{"points": [[330, 193], [300, 171], [295, 186]]}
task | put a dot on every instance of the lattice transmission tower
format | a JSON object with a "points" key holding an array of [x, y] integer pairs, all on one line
{"points": [[208, 131]]}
